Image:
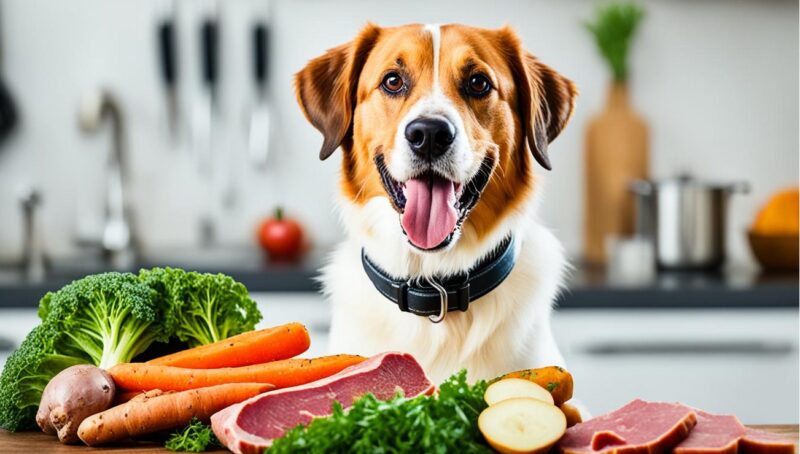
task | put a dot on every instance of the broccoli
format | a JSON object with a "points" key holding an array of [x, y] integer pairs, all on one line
{"points": [[206, 307], [25, 375], [110, 318]]}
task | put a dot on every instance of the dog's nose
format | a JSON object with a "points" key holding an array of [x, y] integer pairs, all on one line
{"points": [[430, 137]]}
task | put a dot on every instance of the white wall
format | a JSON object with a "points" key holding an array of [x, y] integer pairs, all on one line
{"points": [[716, 79]]}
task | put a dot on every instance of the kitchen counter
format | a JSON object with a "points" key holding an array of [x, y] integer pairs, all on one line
{"points": [[39, 442], [587, 287]]}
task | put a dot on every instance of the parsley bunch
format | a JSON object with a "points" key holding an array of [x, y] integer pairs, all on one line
{"points": [[196, 437], [439, 424]]}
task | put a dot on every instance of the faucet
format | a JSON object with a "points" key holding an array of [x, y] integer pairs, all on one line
{"points": [[118, 241], [34, 261]]}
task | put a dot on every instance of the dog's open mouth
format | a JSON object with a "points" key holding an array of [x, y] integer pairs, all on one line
{"points": [[432, 208]]}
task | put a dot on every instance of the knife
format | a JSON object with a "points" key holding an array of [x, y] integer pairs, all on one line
{"points": [[259, 131], [169, 70], [202, 119]]}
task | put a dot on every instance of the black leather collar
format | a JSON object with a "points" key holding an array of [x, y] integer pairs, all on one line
{"points": [[420, 298]]}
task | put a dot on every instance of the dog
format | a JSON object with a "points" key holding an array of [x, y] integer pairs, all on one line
{"points": [[440, 129]]}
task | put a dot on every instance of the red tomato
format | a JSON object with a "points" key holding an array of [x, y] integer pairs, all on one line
{"points": [[282, 238]]}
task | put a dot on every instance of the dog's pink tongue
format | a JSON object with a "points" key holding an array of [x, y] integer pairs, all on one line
{"points": [[430, 213]]}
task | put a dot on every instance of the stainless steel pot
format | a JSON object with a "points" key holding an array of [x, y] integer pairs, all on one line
{"points": [[686, 220]]}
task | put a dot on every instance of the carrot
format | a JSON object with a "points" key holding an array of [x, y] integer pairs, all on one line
{"points": [[282, 374], [155, 411], [252, 347], [122, 397], [553, 378]]}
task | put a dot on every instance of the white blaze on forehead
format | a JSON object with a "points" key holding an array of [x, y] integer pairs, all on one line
{"points": [[460, 164], [436, 40]]}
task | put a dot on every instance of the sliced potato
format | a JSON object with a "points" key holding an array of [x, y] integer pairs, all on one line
{"points": [[509, 388], [572, 414], [522, 425]]}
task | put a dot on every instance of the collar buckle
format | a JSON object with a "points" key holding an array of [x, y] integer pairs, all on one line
{"points": [[460, 290], [463, 296], [401, 293]]}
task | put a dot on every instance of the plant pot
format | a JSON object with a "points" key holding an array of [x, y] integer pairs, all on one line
{"points": [[616, 153]]}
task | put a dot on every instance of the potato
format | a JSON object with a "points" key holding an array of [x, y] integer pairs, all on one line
{"points": [[515, 387], [572, 414], [522, 425], [71, 396], [552, 378]]}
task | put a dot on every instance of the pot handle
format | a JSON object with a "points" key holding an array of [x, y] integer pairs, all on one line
{"points": [[641, 187], [741, 187]]}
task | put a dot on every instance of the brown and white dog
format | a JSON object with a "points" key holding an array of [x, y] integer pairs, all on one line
{"points": [[419, 112]]}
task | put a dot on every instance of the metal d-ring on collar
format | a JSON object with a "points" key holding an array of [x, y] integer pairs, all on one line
{"points": [[442, 300]]}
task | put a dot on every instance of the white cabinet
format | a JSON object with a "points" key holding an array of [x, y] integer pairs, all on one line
{"points": [[309, 309], [743, 362]]}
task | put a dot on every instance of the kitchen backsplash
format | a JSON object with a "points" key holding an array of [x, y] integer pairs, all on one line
{"points": [[719, 92]]}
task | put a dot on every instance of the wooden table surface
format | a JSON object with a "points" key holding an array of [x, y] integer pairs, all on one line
{"points": [[37, 442]]}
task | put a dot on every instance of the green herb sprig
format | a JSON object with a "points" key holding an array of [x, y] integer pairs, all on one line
{"points": [[437, 424], [613, 28], [196, 437]]}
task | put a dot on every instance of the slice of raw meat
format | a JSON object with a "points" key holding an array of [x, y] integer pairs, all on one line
{"points": [[638, 427], [757, 441], [250, 426], [713, 434]]}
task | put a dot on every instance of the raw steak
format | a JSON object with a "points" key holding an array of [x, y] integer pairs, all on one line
{"points": [[638, 427], [250, 426], [713, 434]]}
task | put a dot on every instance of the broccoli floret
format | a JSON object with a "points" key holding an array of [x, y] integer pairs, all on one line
{"points": [[112, 317], [25, 375], [206, 307]]}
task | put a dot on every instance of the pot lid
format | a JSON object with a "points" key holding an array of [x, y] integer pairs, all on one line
{"points": [[688, 181]]}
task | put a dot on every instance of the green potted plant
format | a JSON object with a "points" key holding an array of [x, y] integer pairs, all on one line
{"points": [[616, 138]]}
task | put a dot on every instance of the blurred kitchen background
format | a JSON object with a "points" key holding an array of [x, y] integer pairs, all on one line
{"points": [[164, 133]]}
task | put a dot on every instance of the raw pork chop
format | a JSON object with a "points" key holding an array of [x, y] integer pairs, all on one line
{"points": [[250, 426], [759, 442], [638, 427], [713, 434]]}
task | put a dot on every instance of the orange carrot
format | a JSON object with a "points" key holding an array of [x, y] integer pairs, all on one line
{"points": [[282, 374], [252, 347], [155, 411], [553, 378], [124, 396]]}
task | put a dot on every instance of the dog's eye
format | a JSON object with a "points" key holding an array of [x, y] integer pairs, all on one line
{"points": [[392, 83], [478, 85]]}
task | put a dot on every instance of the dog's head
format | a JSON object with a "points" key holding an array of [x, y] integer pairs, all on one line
{"points": [[440, 120]]}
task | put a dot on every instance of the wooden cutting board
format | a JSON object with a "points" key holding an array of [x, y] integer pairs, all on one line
{"points": [[37, 442]]}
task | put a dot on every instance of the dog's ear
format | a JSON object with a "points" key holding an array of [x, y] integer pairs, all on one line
{"points": [[546, 99], [326, 88]]}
